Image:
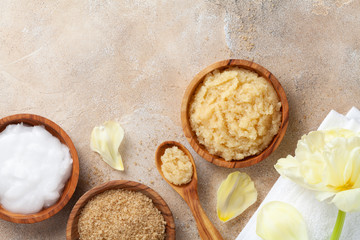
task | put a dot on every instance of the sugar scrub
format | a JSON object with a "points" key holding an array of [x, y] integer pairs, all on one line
{"points": [[34, 167], [176, 166], [235, 113]]}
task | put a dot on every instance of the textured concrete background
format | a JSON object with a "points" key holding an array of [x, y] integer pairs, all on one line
{"points": [[80, 63]]}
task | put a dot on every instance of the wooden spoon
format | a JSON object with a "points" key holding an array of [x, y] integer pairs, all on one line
{"points": [[189, 193]]}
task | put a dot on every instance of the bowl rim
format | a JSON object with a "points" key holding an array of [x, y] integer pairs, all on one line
{"points": [[70, 186], [158, 201], [190, 134]]}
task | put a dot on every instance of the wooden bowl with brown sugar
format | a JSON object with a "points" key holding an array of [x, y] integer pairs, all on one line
{"points": [[191, 135], [72, 232], [69, 189]]}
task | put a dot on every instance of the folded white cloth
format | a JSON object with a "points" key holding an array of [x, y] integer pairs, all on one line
{"points": [[320, 217]]}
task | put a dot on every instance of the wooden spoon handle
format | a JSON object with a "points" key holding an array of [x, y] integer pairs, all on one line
{"points": [[205, 227]]}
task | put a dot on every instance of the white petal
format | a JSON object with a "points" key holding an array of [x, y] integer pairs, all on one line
{"points": [[348, 201], [280, 221], [289, 167], [106, 140], [235, 195], [322, 196]]}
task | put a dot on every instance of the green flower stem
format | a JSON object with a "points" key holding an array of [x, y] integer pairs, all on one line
{"points": [[338, 225]]}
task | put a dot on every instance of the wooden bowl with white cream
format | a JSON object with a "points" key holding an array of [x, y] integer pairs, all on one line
{"points": [[207, 79], [67, 190]]}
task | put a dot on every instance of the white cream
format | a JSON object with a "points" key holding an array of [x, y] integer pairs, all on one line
{"points": [[34, 168]]}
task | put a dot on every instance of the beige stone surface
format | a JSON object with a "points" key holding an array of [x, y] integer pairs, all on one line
{"points": [[80, 63]]}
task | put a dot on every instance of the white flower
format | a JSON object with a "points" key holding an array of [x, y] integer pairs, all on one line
{"points": [[327, 162]]}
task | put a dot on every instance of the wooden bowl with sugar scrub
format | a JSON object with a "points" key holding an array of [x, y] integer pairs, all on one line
{"points": [[68, 189], [72, 228], [194, 90]]}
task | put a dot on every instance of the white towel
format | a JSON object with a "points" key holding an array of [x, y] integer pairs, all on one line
{"points": [[320, 217]]}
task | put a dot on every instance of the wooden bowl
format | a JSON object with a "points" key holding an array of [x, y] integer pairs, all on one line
{"points": [[72, 225], [190, 134], [69, 189]]}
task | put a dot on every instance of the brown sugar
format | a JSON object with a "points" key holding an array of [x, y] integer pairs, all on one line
{"points": [[121, 214]]}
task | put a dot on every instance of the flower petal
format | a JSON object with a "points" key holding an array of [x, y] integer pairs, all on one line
{"points": [[336, 155], [106, 140], [348, 201], [235, 194], [289, 167], [322, 196], [280, 221], [314, 141]]}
